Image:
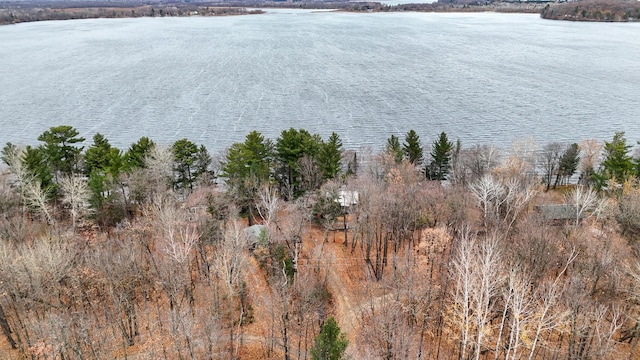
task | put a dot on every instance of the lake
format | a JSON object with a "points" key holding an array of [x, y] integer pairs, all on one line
{"points": [[484, 78]]}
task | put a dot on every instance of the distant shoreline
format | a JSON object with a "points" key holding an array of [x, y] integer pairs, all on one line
{"points": [[14, 13], [594, 11], [10, 16], [588, 11]]}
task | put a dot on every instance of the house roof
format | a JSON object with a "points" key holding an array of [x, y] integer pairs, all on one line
{"points": [[558, 211], [254, 232]]}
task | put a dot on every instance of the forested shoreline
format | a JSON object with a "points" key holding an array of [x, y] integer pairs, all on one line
{"points": [[585, 10], [18, 12], [594, 10], [21, 14], [295, 248]]}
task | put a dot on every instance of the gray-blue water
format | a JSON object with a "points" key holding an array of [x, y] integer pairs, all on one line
{"points": [[483, 77]]}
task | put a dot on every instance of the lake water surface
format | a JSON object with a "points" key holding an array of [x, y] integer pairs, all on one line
{"points": [[481, 77]]}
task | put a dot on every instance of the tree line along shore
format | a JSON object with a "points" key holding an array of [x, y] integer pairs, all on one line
{"points": [[587, 10], [590, 10], [295, 248], [16, 13], [53, 11]]}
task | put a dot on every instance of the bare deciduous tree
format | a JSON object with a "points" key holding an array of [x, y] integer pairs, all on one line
{"points": [[179, 242], [76, 195], [608, 321], [37, 199], [550, 160], [268, 204], [547, 316], [591, 151], [124, 278], [230, 261], [585, 202], [628, 211], [158, 170], [474, 163], [310, 173], [518, 302], [502, 200], [476, 270], [32, 281], [21, 176]]}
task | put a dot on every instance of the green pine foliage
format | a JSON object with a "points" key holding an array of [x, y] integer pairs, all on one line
{"points": [[185, 156], [203, 164], [103, 165], [331, 343], [440, 165], [291, 146], [102, 157], [568, 164], [247, 166], [330, 157], [249, 159], [35, 160], [59, 148], [618, 163], [135, 155], [412, 148], [394, 149]]}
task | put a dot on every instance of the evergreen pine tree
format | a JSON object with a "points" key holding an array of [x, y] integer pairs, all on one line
{"points": [[185, 155], [329, 157], [618, 163], [134, 157], [568, 164], [331, 343], [394, 149], [440, 164], [61, 153], [412, 148]]}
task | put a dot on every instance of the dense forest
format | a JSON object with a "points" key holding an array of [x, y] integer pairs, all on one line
{"points": [[594, 10], [14, 15], [19, 11], [295, 248], [12, 12]]}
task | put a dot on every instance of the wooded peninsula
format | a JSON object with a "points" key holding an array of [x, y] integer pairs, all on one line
{"points": [[594, 10], [296, 248]]}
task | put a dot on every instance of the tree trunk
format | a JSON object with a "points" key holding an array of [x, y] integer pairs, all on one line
{"points": [[6, 329]]}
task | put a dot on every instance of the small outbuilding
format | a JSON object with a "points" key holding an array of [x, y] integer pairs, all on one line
{"points": [[253, 234], [558, 213]]}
